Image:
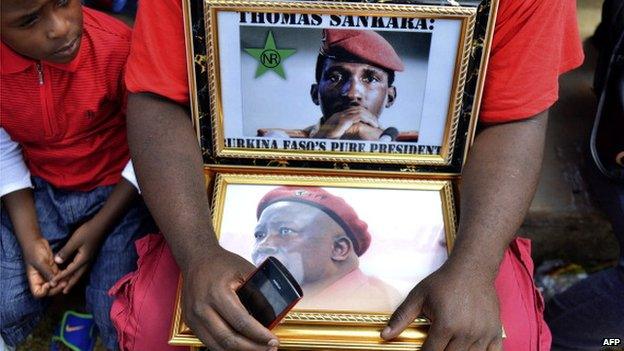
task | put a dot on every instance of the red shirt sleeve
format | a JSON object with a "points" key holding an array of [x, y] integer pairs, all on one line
{"points": [[157, 61], [534, 42]]}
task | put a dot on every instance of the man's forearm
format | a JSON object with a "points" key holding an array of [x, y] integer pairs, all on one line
{"points": [[169, 167], [498, 184]]}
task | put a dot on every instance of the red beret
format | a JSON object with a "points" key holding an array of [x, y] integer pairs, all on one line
{"points": [[334, 206], [366, 45]]}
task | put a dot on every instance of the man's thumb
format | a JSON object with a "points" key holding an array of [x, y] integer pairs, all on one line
{"points": [[404, 314]]}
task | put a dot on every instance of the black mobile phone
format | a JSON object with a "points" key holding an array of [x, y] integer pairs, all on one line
{"points": [[270, 292]]}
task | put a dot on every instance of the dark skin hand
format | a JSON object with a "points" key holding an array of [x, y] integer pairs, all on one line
{"points": [[42, 270], [353, 123], [498, 184], [85, 242], [168, 163], [38, 257], [39, 265], [362, 131]]}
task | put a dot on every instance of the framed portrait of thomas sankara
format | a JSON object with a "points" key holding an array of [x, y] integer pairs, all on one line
{"points": [[376, 83], [356, 260]]}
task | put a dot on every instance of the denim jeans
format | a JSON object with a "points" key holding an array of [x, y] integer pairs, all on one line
{"points": [[60, 212], [581, 317]]}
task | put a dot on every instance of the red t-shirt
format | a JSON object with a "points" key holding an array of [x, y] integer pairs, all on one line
{"points": [[534, 42], [70, 118]]}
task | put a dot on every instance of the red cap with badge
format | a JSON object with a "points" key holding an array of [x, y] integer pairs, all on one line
{"points": [[366, 45], [332, 205]]}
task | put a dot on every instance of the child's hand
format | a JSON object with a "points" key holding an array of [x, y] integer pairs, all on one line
{"points": [[83, 246], [85, 241], [41, 269]]}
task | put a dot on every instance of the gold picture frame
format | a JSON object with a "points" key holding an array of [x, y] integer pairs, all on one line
{"points": [[454, 115], [343, 329]]}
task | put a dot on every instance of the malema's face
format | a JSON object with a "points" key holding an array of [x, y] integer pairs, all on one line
{"points": [[298, 235]]}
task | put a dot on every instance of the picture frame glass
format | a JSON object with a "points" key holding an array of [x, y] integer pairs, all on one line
{"points": [[349, 254], [322, 84]]}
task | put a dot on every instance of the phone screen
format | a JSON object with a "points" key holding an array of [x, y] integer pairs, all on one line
{"points": [[269, 293]]}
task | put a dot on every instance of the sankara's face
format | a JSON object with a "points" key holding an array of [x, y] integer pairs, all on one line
{"points": [[347, 84]]}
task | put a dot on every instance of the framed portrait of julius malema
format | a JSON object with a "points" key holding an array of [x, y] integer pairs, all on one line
{"points": [[370, 85], [356, 260]]}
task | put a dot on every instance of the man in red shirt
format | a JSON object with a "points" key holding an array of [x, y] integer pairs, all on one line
{"points": [[534, 42], [63, 101]]}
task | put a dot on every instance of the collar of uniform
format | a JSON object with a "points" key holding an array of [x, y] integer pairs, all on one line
{"points": [[13, 62]]}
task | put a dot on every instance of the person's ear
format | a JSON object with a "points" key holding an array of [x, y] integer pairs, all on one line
{"points": [[314, 94], [391, 96], [342, 248]]}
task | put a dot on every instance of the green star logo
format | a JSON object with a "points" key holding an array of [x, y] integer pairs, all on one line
{"points": [[270, 58]]}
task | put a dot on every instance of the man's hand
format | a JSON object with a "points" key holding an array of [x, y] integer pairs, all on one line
{"points": [[362, 131], [462, 307], [212, 308], [40, 268], [498, 183], [168, 163], [83, 246], [353, 123]]}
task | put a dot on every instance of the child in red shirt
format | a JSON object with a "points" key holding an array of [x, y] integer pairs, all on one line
{"points": [[63, 102]]}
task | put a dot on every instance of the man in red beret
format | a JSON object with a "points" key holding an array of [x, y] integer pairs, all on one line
{"points": [[320, 238], [354, 83]]}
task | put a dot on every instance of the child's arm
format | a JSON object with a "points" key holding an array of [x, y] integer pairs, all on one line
{"points": [[17, 199], [38, 257], [86, 240]]}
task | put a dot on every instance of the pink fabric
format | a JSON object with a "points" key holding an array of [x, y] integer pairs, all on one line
{"points": [[521, 304], [145, 299], [143, 308]]}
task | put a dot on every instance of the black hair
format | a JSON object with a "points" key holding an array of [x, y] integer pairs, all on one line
{"points": [[321, 59]]}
